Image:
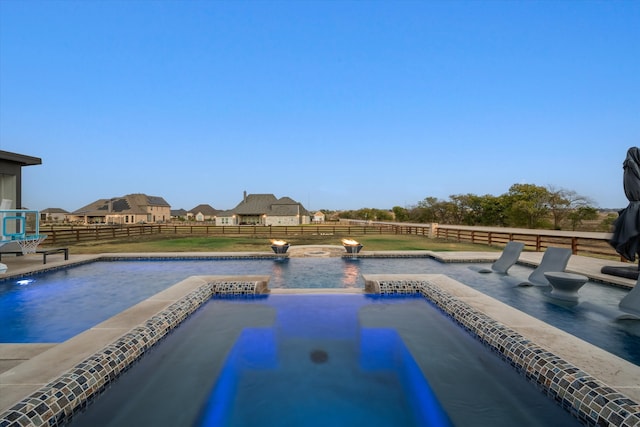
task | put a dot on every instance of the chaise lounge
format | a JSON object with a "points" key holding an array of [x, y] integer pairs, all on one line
{"points": [[507, 259], [554, 259], [630, 304]]}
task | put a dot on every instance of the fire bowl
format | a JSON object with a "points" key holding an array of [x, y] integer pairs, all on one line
{"points": [[353, 249], [280, 249]]}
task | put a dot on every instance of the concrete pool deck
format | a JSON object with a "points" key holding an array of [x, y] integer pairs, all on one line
{"points": [[24, 368]]}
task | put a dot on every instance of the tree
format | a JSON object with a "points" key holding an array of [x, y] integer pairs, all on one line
{"points": [[425, 211], [493, 211], [401, 214], [607, 223], [528, 205], [580, 214], [563, 203], [368, 214], [524, 205], [465, 208], [478, 210], [446, 212]]}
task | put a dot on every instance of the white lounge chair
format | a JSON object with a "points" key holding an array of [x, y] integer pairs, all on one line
{"points": [[630, 304], [554, 259], [509, 256]]}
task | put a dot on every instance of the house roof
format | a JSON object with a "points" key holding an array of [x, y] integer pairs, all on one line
{"points": [[178, 212], [204, 209], [260, 204], [20, 158], [54, 211], [254, 204], [129, 204]]}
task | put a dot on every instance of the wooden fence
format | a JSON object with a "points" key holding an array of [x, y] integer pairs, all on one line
{"points": [[62, 236], [587, 244], [581, 243]]}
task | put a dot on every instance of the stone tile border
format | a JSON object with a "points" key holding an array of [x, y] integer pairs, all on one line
{"points": [[585, 397], [55, 403]]}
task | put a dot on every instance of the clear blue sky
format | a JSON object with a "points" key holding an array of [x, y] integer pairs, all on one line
{"points": [[336, 104]]}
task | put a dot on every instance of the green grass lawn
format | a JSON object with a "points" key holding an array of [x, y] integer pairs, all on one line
{"points": [[259, 244]]}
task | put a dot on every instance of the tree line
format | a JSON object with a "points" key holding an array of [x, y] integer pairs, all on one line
{"points": [[523, 206]]}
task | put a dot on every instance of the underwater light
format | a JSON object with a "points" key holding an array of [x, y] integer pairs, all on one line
{"points": [[23, 282]]}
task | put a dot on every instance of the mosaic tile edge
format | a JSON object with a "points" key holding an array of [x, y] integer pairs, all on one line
{"points": [[55, 403], [591, 401], [588, 399]]}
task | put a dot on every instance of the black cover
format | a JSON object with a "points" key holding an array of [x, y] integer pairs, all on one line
{"points": [[626, 272], [626, 233]]}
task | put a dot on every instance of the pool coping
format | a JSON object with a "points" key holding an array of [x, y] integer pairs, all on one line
{"points": [[594, 385], [67, 371]]}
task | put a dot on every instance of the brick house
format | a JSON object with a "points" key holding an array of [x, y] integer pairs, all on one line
{"points": [[264, 209], [129, 209]]}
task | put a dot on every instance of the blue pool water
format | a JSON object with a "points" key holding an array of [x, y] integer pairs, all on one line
{"points": [[318, 359], [58, 305], [321, 360]]}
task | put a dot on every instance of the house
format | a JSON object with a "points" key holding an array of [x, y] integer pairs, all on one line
{"points": [[203, 213], [53, 215], [129, 209], [15, 225], [318, 217], [11, 165], [264, 209], [179, 214]]}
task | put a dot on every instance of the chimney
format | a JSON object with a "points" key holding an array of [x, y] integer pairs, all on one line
{"points": [[244, 196]]}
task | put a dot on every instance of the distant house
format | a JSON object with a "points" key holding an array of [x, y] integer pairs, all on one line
{"points": [[129, 209], [53, 215], [11, 165], [318, 217], [179, 214], [264, 209], [203, 212]]}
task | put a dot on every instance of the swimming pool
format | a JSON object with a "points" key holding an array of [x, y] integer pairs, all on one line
{"points": [[576, 390], [58, 305], [320, 360]]}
